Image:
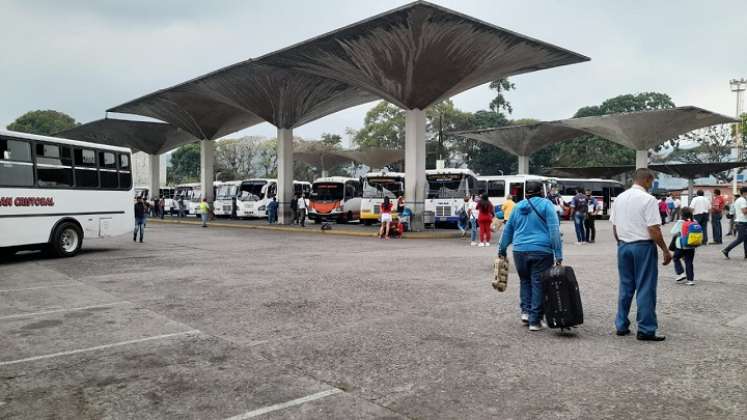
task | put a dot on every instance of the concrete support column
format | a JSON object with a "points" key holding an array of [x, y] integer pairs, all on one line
{"points": [[285, 175], [154, 176], [641, 159], [415, 184], [523, 165], [207, 169]]}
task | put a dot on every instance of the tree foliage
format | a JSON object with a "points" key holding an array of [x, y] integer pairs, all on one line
{"points": [[234, 158], [709, 145], [185, 165], [44, 123]]}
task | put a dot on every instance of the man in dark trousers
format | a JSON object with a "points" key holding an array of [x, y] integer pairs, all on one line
{"points": [[140, 212], [636, 225], [294, 208]]}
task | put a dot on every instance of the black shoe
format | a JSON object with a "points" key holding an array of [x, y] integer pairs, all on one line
{"points": [[726, 254], [650, 337], [622, 333], [141, 241]]}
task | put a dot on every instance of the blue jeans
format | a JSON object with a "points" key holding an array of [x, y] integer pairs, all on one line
{"points": [[139, 225], [578, 221], [716, 226], [638, 270], [473, 229], [530, 266], [702, 220], [204, 217], [462, 223]]}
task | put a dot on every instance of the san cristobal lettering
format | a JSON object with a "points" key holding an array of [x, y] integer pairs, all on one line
{"points": [[26, 201]]}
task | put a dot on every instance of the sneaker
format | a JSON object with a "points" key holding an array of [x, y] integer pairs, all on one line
{"points": [[482, 244], [473, 243], [690, 283], [681, 278], [726, 254], [536, 327], [525, 318], [579, 243], [487, 243]]}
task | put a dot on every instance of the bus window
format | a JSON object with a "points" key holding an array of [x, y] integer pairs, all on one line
{"points": [[16, 167], [497, 189], [350, 190], [53, 166], [327, 191], [517, 191], [86, 173]]}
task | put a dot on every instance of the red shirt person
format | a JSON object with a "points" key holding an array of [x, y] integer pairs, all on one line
{"points": [[485, 214]]}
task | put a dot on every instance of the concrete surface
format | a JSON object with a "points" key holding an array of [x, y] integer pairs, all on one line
{"points": [[223, 322]]}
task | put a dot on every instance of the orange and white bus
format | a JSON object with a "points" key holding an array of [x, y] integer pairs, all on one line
{"points": [[335, 198]]}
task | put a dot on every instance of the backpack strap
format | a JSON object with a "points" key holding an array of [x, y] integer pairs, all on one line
{"points": [[544, 221]]}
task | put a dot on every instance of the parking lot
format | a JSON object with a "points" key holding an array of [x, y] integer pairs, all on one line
{"points": [[223, 322]]}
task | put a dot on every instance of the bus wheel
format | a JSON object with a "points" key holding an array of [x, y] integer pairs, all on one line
{"points": [[349, 217], [66, 240]]}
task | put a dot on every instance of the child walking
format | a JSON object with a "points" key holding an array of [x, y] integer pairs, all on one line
{"points": [[683, 252]]}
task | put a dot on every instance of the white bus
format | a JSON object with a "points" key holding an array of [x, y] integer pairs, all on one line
{"points": [[335, 198], [499, 187], [446, 191], [255, 194], [168, 194], [183, 193], [225, 198], [604, 190], [196, 196], [376, 186], [54, 192]]}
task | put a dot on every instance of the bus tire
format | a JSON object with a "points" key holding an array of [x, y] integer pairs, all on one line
{"points": [[66, 241], [349, 217]]}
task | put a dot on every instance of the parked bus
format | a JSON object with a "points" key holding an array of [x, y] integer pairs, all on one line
{"points": [[446, 191], [55, 192], [226, 198], [184, 192], [335, 198], [168, 194], [255, 194], [499, 187], [196, 197], [376, 186], [604, 190]]}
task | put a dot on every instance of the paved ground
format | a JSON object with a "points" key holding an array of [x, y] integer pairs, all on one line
{"points": [[220, 322]]}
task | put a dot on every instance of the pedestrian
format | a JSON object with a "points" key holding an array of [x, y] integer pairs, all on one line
{"points": [[590, 229], [731, 215], [507, 207], [701, 206], [473, 224], [677, 208], [670, 207], [717, 210], [141, 211], [740, 223], [557, 201], [386, 218], [162, 207], [636, 226], [534, 231], [663, 211], [579, 208], [682, 251], [182, 207], [294, 207], [400, 203], [204, 209], [303, 206], [272, 211], [485, 214], [463, 214]]}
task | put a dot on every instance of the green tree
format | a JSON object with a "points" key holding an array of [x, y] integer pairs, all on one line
{"points": [[45, 123], [709, 145], [383, 126], [267, 158], [234, 158], [185, 164], [500, 103]]}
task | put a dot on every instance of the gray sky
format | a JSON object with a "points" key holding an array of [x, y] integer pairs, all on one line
{"points": [[81, 57]]}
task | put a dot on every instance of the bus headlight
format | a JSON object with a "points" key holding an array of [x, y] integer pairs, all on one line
{"points": [[262, 208]]}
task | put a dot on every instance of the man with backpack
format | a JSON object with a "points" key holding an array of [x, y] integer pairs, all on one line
{"points": [[579, 210], [534, 231]]}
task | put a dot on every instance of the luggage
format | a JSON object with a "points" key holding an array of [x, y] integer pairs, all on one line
{"points": [[562, 300], [500, 274]]}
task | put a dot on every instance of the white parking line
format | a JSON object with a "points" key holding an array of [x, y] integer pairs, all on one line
{"points": [[291, 403], [42, 287], [105, 346], [54, 311]]}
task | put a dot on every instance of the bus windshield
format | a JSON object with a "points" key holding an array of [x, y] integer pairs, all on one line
{"points": [[447, 186], [327, 191], [251, 190], [227, 191], [380, 187]]}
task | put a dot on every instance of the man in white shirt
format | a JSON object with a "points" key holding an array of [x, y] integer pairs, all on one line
{"points": [[740, 221], [701, 206], [636, 225], [302, 206], [677, 209]]}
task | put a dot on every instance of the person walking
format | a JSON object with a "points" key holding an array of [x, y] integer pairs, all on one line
{"points": [[557, 201], [141, 210], [677, 208], [731, 215], [303, 206], [636, 226], [386, 218], [683, 252], [473, 224], [579, 208], [182, 207], [272, 211], [204, 209], [507, 207], [701, 207], [462, 213], [740, 223], [485, 214], [534, 231], [670, 207], [717, 210], [590, 229], [663, 211], [162, 207], [294, 208]]}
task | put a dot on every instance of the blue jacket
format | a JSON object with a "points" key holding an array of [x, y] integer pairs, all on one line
{"points": [[528, 233]]}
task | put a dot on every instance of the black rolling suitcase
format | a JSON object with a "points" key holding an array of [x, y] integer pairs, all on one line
{"points": [[562, 300]]}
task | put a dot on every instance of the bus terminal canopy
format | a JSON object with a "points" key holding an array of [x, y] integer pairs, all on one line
{"points": [[681, 170], [150, 137], [412, 56], [523, 140]]}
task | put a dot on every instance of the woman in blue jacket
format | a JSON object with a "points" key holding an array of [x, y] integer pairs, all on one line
{"points": [[534, 231]]}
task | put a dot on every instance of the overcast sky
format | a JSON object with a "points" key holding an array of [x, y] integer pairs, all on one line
{"points": [[82, 57]]}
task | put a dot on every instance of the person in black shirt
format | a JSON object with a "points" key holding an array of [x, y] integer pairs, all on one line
{"points": [[140, 212]]}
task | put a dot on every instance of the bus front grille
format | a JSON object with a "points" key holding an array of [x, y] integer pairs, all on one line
{"points": [[443, 211]]}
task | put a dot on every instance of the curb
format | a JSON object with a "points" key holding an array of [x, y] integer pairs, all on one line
{"points": [[409, 235]]}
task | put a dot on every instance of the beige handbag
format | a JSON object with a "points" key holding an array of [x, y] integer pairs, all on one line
{"points": [[500, 273]]}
